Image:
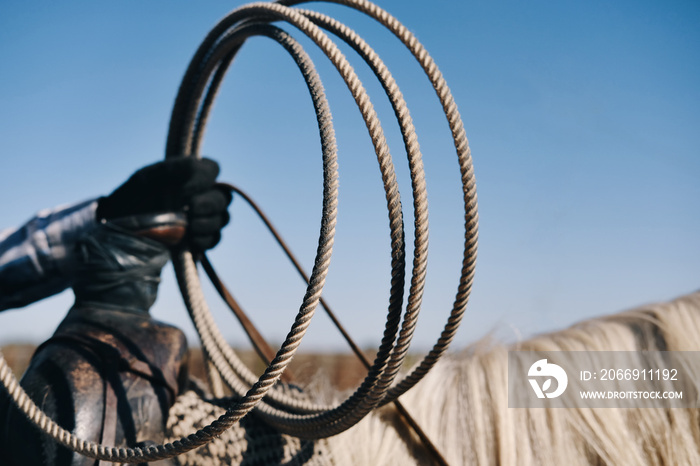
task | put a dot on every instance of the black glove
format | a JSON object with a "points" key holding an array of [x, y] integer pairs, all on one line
{"points": [[175, 185]]}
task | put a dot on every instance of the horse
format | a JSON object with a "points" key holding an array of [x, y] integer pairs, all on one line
{"points": [[462, 405]]}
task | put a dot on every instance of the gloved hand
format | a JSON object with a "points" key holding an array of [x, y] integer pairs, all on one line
{"points": [[175, 185]]}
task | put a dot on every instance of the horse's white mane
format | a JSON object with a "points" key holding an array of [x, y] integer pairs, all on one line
{"points": [[463, 406]]}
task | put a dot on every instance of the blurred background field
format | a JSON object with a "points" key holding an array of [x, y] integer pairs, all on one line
{"points": [[341, 370]]}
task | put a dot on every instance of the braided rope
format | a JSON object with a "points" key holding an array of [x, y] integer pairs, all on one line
{"points": [[375, 130], [204, 322], [193, 103], [468, 183], [417, 173], [234, 372], [471, 217]]}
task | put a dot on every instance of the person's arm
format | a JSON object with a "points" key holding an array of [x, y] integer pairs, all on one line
{"points": [[37, 259]]}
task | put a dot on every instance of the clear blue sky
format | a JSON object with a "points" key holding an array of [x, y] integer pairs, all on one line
{"points": [[583, 118]]}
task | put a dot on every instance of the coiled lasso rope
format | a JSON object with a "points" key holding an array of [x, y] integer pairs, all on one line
{"points": [[190, 113]]}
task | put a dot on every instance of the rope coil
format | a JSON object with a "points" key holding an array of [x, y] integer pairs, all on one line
{"points": [[190, 113]]}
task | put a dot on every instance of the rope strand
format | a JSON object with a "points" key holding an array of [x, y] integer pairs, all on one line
{"points": [[192, 106]]}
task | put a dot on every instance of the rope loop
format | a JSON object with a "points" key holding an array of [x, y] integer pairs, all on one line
{"points": [[191, 110]]}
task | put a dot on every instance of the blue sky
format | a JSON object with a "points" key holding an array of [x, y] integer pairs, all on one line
{"points": [[582, 117]]}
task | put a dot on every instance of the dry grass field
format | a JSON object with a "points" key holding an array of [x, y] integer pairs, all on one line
{"points": [[343, 371]]}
